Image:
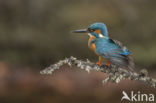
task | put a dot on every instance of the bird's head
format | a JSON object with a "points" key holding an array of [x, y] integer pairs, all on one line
{"points": [[97, 29]]}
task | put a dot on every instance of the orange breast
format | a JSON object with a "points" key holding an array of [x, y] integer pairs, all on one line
{"points": [[92, 46]]}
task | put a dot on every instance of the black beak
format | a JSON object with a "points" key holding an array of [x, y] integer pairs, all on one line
{"points": [[81, 31]]}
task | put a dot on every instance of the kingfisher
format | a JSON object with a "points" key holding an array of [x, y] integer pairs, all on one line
{"points": [[111, 51]]}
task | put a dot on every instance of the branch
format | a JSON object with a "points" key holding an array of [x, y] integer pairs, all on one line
{"points": [[115, 75]]}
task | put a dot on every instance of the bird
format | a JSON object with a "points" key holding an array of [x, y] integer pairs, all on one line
{"points": [[109, 50]]}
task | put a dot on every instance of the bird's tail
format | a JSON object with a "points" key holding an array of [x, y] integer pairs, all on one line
{"points": [[131, 64]]}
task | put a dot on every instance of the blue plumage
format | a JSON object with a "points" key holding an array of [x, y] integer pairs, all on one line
{"points": [[111, 51]]}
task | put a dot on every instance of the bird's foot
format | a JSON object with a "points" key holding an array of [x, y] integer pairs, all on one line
{"points": [[99, 63], [106, 66]]}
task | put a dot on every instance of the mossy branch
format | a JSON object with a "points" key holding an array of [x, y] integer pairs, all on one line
{"points": [[115, 75]]}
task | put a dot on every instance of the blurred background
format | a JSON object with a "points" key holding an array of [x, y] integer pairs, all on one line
{"points": [[37, 33]]}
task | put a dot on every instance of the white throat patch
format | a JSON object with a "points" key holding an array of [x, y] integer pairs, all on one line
{"points": [[89, 34], [101, 36]]}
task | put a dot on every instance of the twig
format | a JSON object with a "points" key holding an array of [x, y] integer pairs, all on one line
{"points": [[115, 75]]}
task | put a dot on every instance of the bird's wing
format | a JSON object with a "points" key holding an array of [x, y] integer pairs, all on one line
{"points": [[120, 56]]}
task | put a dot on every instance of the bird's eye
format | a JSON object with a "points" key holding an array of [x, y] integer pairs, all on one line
{"points": [[91, 30]]}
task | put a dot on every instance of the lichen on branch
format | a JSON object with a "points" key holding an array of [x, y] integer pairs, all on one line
{"points": [[115, 75]]}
